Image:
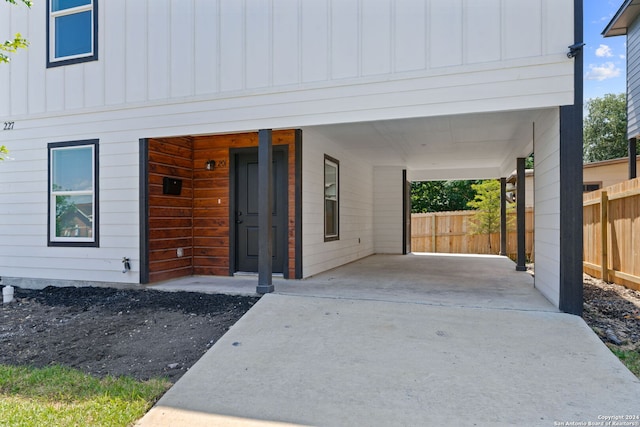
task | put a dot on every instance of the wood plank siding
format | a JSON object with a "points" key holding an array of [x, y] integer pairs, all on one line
{"points": [[170, 216], [197, 220]]}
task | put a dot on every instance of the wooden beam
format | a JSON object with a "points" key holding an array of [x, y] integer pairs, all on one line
{"points": [[265, 209]]}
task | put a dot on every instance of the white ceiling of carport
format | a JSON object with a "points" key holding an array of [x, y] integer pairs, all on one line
{"points": [[470, 146]]}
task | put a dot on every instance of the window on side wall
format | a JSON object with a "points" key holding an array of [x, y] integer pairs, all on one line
{"points": [[71, 31], [331, 199], [73, 193]]}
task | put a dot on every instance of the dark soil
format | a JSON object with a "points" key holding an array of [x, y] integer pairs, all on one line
{"points": [[613, 312], [104, 331]]}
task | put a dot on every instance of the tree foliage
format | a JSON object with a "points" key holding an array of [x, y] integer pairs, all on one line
{"points": [[486, 202], [605, 128], [441, 196], [18, 42]]}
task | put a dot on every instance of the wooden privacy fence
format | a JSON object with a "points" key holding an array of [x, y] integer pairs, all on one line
{"points": [[612, 251], [450, 232]]}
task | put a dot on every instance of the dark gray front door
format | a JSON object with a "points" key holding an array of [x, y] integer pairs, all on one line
{"points": [[247, 211]]}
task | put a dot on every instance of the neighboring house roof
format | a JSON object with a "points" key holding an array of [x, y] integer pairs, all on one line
{"points": [[608, 162], [624, 17]]}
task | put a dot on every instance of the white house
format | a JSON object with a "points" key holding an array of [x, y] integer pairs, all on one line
{"points": [[626, 22], [146, 120]]}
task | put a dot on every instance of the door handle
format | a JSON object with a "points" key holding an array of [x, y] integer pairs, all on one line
{"points": [[238, 220]]}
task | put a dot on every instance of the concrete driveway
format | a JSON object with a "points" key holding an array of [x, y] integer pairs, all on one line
{"points": [[404, 341]]}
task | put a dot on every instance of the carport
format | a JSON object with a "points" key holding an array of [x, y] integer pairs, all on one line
{"points": [[473, 281], [488, 145]]}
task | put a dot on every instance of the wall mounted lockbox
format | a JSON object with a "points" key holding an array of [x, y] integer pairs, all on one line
{"points": [[171, 186]]}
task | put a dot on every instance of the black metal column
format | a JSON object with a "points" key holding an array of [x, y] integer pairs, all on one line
{"points": [[503, 216], [520, 216], [633, 173], [571, 288], [265, 209]]}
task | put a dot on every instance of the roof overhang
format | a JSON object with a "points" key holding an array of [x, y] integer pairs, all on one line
{"points": [[623, 19]]}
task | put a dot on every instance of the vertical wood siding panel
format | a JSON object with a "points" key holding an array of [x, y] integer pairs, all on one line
{"points": [[376, 37], [286, 61], [19, 64], [445, 33], [114, 58], [158, 49], [482, 38], [94, 84], [315, 40], [557, 32], [73, 87], [55, 89], [522, 36], [344, 39], [232, 45], [5, 75], [182, 45], [410, 36], [258, 61], [136, 50], [37, 60], [206, 45]]}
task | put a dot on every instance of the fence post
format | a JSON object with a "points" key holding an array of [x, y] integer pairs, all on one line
{"points": [[604, 225], [434, 243]]}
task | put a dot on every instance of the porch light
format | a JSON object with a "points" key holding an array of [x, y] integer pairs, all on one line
{"points": [[210, 165]]}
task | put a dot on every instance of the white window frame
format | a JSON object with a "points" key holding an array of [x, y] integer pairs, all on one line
{"points": [[52, 61], [53, 239]]}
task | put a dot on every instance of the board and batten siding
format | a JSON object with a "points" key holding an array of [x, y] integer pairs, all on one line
{"points": [[633, 79], [355, 200], [298, 62], [547, 205]]}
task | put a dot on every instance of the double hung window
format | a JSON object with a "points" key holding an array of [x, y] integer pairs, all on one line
{"points": [[73, 201], [72, 31], [331, 199]]}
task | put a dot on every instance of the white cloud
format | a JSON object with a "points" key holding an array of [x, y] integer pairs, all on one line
{"points": [[605, 71], [604, 51]]}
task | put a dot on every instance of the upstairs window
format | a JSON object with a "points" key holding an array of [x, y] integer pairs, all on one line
{"points": [[331, 195], [73, 201], [72, 31]]}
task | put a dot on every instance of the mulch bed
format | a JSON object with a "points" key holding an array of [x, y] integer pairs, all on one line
{"points": [[104, 331]]}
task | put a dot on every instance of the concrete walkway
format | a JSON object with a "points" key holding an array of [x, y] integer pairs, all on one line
{"points": [[403, 341]]}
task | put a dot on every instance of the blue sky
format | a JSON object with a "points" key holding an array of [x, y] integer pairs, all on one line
{"points": [[605, 59]]}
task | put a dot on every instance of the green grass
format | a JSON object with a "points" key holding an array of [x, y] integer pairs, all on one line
{"points": [[59, 396], [630, 358]]}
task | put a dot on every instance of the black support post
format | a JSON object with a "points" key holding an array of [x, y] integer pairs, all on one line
{"points": [[571, 288], [265, 209], [503, 216], [633, 172], [520, 216]]}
